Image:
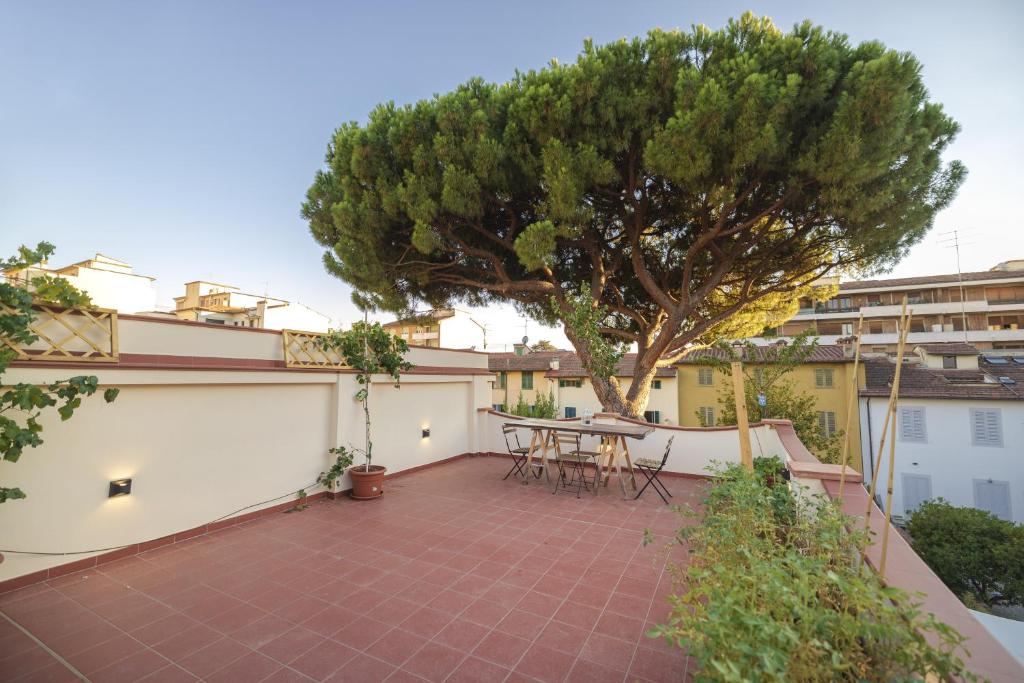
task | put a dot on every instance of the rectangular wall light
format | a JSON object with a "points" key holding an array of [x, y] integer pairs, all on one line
{"points": [[119, 487], [426, 432]]}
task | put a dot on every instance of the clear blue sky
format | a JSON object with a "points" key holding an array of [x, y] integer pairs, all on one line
{"points": [[181, 136]]}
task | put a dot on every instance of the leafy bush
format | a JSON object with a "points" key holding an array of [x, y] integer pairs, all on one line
{"points": [[977, 555], [545, 407], [766, 598]]}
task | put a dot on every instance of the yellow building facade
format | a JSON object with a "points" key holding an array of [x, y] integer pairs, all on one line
{"points": [[827, 377]]}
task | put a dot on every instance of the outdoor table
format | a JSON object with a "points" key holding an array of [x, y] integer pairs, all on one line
{"points": [[613, 435]]}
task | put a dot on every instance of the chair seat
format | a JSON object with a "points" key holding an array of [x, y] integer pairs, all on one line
{"points": [[522, 451], [579, 456], [647, 462]]}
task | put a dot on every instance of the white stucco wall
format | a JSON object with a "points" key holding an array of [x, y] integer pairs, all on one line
{"points": [[665, 399], [947, 455], [122, 292], [200, 444]]}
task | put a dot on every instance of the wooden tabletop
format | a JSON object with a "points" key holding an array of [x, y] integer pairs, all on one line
{"points": [[601, 428]]}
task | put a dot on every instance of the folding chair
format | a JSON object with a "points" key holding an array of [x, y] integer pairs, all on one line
{"points": [[520, 455], [650, 469], [576, 459]]}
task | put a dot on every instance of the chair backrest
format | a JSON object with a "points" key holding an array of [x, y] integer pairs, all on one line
{"points": [[508, 429], [668, 447], [566, 439]]}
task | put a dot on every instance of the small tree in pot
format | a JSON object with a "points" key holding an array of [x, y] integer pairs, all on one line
{"points": [[369, 349]]}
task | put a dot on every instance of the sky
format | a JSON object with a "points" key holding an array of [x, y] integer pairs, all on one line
{"points": [[181, 137]]}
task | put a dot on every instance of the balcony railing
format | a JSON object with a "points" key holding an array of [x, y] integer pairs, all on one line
{"points": [[85, 335]]}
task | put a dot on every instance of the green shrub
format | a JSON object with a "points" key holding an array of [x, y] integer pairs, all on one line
{"points": [[974, 553], [545, 407], [777, 598]]}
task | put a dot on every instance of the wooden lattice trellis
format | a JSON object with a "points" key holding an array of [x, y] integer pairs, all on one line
{"points": [[301, 350], [70, 334]]}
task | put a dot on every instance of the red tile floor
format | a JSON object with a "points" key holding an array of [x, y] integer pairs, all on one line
{"points": [[454, 575]]}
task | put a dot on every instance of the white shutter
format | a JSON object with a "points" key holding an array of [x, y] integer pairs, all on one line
{"points": [[912, 427], [986, 427]]}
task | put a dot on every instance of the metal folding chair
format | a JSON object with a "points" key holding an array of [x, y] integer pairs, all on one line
{"points": [[577, 460], [651, 468], [520, 455]]}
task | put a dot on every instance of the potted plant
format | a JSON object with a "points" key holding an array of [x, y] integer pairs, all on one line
{"points": [[368, 349]]}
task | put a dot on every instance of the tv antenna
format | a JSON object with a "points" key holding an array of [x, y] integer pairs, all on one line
{"points": [[952, 241]]}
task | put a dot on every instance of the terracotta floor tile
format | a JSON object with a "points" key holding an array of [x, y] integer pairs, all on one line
{"points": [[361, 632], [462, 635], [434, 661], [262, 631], [169, 674], [584, 671], [563, 637], [105, 654], [501, 648], [476, 670], [291, 644], [426, 622], [522, 624], [52, 673], [214, 656], [131, 668], [485, 613], [362, 668], [186, 642], [323, 660], [330, 620], [396, 646], [607, 651], [620, 626], [545, 664], [251, 667]]}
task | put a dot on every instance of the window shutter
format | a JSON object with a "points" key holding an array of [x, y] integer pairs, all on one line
{"points": [[912, 426], [986, 427]]}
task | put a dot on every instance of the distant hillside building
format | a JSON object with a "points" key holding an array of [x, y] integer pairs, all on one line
{"points": [[220, 304], [108, 282], [991, 307]]}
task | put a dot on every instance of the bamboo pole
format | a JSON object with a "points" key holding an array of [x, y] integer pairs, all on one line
{"points": [[852, 399], [742, 425], [892, 449], [873, 464]]}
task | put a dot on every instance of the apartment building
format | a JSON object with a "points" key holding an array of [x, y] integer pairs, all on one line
{"points": [[220, 304], [959, 430], [560, 374], [448, 328], [108, 282], [985, 309], [826, 375]]}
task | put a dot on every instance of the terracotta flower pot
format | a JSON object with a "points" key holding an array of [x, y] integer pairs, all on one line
{"points": [[367, 485]]}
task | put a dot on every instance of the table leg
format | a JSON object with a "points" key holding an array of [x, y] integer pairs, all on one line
{"points": [[629, 462], [544, 455], [529, 457]]}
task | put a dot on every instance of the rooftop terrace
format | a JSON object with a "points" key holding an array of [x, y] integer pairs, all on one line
{"points": [[455, 575]]}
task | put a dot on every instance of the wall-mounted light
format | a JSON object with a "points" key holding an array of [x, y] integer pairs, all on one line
{"points": [[119, 487], [426, 432]]}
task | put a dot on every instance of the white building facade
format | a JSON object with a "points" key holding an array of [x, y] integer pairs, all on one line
{"points": [[959, 436], [108, 282]]}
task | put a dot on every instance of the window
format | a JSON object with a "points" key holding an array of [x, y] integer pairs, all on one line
{"points": [[570, 383], [570, 411], [827, 422], [912, 426], [653, 416], [875, 327], [874, 299], [502, 380], [949, 362], [986, 427], [824, 378], [706, 415], [656, 384], [705, 377], [847, 329], [527, 382], [759, 375]]}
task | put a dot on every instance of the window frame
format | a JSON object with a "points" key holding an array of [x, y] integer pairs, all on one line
{"points": [[705, 372], [820, 375], [827, 423], [703, 412], [523, 380], [567, 409]]}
